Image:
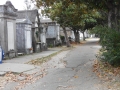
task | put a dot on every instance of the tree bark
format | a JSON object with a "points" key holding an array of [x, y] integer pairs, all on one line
{"points": [[66, 37], [83, 36], [118, 17], [77, 36], [113, 18], [109, 18], [116, 12]]}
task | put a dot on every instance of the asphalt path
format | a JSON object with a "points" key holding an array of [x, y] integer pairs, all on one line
{"points": [[69, 70], [73, 71]]}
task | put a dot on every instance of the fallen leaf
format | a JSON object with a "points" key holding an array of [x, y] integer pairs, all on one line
{"points": [[75, 76]]}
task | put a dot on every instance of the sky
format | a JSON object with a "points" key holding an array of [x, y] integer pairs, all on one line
{"points": [[18, 4]]}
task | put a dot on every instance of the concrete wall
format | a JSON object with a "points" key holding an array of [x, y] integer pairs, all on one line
{"points": [[53, 35], [20, 37], [43, 38]]}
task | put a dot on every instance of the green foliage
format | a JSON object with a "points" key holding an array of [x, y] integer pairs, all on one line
{"points": [[110, 41], [50, 45], [62, 38], [37, 34]]}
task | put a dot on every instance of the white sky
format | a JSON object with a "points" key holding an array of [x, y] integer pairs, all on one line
{"points": [[18, 4]]}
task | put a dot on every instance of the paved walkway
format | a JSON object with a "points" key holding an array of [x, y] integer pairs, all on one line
{"points": [[68, 70], [27, 58], [73, 72], [18, 65]]}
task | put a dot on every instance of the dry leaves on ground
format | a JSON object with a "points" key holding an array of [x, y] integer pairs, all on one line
{"points": [[76, 76], [42, 60], [109, 74], [22, 79]]}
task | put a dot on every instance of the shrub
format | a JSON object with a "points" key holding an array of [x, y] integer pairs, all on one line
{"points": [[110, 41]]}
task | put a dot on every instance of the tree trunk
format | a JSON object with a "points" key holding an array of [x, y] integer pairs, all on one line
{"points": [[77, 36], [109, 18], [115, 18], [66, 37], [118, 17], [83, 36], [116, 22]]}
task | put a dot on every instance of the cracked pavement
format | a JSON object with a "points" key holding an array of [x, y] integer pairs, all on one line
{"points": [[70, 70]]}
